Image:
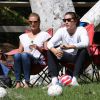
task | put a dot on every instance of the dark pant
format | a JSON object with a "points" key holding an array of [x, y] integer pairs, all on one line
{"points": [[22, 63], [78, 60]]}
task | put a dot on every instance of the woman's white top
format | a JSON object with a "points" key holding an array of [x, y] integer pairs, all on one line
{"points": [[38, 40], [80, 39]]}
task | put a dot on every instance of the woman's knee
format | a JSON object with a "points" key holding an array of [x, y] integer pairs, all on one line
{"points": [[25, 56], [17, 56]]}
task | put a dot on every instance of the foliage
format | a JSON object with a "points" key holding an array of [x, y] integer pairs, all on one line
{"points": [[14, 15], [11, 17]]}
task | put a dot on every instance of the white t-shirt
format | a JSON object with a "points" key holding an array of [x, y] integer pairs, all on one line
{"points": [[80, 39], [38, 40]]}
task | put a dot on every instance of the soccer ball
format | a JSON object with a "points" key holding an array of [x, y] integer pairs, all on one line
{"points": [[65, 80], [54, 90], [3, 92]]}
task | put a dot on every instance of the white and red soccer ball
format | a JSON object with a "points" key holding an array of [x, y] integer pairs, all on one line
{"points": [[65, 80], [55, 90]]}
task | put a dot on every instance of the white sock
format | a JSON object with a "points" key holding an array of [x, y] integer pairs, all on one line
{"points": [[74, 79], [54, 80]]}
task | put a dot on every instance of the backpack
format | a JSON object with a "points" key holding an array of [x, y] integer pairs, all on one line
{"points": [[5, 81]]}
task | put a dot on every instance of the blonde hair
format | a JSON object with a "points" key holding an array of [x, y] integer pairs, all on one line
{"points": [[35, 14]]}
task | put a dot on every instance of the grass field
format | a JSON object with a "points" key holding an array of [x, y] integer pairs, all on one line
{"points": [[83, 92]]}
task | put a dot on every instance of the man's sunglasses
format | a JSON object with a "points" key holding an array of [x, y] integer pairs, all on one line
{"points": [[68, 20]]}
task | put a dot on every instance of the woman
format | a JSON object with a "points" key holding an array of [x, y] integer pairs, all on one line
{"points": [[30, 45], [74, 41]]}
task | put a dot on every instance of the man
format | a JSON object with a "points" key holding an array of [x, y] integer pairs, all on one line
{"points": [[74, 41]]}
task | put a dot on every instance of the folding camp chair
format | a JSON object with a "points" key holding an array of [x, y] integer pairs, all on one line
{"points": [[94, 51], [38, 69], [7, 59], [95, 55], [70, 66]]}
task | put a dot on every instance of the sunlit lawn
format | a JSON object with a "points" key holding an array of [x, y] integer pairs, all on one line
{"points": [[83, 92]]}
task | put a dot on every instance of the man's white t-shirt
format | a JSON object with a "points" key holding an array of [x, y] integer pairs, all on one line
{"points": [[80, 39]]}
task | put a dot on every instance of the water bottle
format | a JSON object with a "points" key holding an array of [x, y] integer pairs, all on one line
{"points": [[59, 48]]}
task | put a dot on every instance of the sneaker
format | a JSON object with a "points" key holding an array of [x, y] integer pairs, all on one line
{"points": [[74, 82]]}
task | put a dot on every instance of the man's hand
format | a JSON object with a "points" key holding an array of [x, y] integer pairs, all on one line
{"points": [[67, 46], [63, 46], [57, 53]]}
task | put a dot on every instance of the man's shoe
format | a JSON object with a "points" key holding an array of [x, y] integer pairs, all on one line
{"points": [[74, 82]]}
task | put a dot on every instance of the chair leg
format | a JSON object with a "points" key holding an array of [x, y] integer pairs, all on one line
{"points": [[44, 76], [95, 73], [82, 76], [85, 78]]}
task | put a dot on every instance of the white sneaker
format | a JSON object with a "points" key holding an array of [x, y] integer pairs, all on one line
{"points": [[74, 82]]}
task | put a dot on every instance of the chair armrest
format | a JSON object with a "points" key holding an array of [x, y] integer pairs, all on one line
{"points": [[12, 52], [94, 49]]}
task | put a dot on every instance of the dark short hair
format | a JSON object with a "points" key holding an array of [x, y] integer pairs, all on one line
{"points": [[35, 14], [74, 16]]}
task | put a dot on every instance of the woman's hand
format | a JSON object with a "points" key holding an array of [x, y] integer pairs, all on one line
{"points": [[33, 46]]}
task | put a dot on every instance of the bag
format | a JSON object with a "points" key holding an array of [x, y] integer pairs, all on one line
{"points": [[5, 81], [4, 70]]}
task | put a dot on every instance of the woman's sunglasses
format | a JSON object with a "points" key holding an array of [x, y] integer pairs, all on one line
{"points": [[68, 20], [30, 22]]}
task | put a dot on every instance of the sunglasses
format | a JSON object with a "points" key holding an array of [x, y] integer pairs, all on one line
{"points": [[30, 22], [68, 20]]}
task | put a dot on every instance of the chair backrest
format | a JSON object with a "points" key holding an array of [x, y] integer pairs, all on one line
{"points": [[94, 49], [50, 31], [12, 52], [90, 30]]}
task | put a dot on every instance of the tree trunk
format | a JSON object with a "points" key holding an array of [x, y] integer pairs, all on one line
{"points": [[51, 11], [93, 15]]}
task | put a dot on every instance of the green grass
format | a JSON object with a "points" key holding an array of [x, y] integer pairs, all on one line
{"points": [[83, 92]]}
